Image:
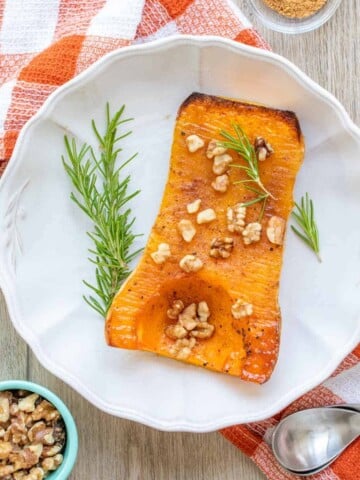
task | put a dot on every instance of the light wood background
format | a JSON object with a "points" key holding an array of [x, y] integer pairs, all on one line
{"points": [[114, 449]]}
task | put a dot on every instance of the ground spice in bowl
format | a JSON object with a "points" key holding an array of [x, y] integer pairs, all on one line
{"points": [[296, 8]]}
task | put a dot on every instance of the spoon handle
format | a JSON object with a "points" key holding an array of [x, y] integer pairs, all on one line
{"points": [[348, 406]]}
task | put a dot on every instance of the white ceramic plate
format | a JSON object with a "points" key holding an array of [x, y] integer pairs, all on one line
{"points": [[43, 255]]}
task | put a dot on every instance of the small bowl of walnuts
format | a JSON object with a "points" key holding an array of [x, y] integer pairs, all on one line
{"points": [[38, 435]]}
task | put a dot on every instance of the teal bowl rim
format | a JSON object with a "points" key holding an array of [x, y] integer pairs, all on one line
{"points": [[72, 441]]}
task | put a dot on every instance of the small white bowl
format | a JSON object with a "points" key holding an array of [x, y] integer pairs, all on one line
{"points": [[281, 23]]}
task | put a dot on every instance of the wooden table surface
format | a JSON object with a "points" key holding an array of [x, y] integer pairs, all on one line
{"points": [[115, 449]]}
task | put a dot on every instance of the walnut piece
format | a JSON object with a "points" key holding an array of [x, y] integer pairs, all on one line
{"points": [[221, 183], [221, 247], [203, 330], [187, 230], [6, 470], [176, 331], [241, 309], [263, 149], [176, 308], [191, 263], [221, 164], [5, 450], [215, 148], [194, 206], [162, 254], [45, 411], [206, 216], [52, 463], [35, 474], [251, 233], [4, 408], [276, 230], [187, 317], [203, 311], [27, 404], [182, 348], [235, 217], [51, 450], [194, 143]]}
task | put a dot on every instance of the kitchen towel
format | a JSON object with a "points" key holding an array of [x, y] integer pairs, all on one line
{"points": [[45, 43]]}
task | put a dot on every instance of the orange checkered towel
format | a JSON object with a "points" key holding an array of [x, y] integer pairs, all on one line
{"points": [[45, 43]]}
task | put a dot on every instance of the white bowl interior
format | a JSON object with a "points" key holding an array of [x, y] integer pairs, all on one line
{"points": [[319, 302]]}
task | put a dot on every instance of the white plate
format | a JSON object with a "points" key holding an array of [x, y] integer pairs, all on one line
{"points": [[42, 281]]}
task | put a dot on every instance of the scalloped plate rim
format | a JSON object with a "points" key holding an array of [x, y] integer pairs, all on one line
{"points": [[5, 278]]}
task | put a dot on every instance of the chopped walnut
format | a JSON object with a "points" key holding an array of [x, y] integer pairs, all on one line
{"points": [[176, 308], [176, 331], [45, 410], [221, 164], [52, 463], [235, 217], [191, 263], [276, 230], [14, 408], [221, 247], [187, 230], [187, 317], [221, 183], [241, 309], [194, 143], [203, 330], [162, 254], [263, 149], [52, 450], [2, 432], [206, 216], [27, 404], [37, 432], [35, 474], [182, 348], [215, 148], [203, 311], [194, 206], [19, 475], [4, 408], [5, 449], [6, 470], [251, 233], [17, 431]]}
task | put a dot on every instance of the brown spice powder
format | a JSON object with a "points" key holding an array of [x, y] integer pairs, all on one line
{"points": [[296, 8]]}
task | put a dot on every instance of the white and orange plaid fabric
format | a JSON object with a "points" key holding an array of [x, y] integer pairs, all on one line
{"points": [[44, 43]]}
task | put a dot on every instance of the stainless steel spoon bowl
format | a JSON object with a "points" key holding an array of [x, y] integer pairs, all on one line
{"points": [[311, 439]]}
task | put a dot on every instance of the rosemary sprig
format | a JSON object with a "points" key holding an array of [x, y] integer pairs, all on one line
{"points": [[304, 216], [103, 196], [241, 144]]}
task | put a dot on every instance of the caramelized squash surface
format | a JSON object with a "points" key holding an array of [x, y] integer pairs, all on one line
{"points": [[247, 347]]}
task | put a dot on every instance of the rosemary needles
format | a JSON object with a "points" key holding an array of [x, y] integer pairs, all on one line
{"points": [[241, 144], [102, 194], [305, 218]]}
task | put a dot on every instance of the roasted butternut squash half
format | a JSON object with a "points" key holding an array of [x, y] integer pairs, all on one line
{"points": [[206, 288]]}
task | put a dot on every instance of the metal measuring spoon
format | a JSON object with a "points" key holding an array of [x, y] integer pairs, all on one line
{"points": [[308, 441]]}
